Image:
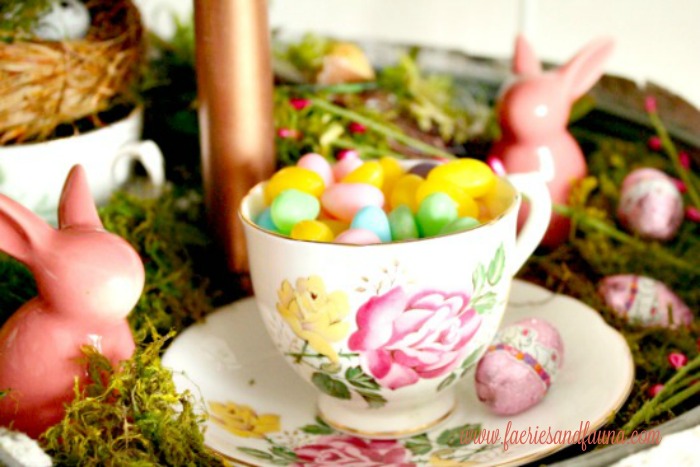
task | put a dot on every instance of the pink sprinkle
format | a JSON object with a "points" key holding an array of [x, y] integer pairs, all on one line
{"points": [[299, 103], [684, 159], [679, 185], [288, 133], [654, 143], [356, 128], [347, 154], [655, 389], [496, 165], [650, 104], [677, 360], [692, 213]]}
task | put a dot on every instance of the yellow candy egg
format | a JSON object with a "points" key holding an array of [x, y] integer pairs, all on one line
{"points": [[337, 227], [312, 230], [297, 178], [472, 175], [404, 191], [392, 173], [428, 187], [371, 173], [469, 208]]}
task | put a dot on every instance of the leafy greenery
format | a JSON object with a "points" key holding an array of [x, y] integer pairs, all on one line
{"points": [[17, 17]]}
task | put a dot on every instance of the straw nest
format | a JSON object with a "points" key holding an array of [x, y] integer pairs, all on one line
{"points": [[44, 84]]}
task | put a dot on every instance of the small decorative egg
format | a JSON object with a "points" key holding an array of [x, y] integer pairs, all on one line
{"points": [[435, 212], [472, 175], [650, 204], [460, 224], [264, 220], [358, 237], [343, 200], [374, 219], [404, 191], [345, 166], [312, 230], [370, 172], [317, 163], [519, 366], [644, 301], [297, 178], [392, 172], [63, 20], [293, 206], [403, 224]]}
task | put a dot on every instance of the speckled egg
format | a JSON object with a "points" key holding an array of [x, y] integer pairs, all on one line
{"points": [[519, 366], [644, 301], [650, 204]]}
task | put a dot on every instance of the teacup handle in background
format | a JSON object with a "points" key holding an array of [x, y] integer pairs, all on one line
{"points": [[149, 155], [534, 187]]}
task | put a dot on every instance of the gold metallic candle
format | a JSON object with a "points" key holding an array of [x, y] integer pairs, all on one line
{"points": [[235, 84]]}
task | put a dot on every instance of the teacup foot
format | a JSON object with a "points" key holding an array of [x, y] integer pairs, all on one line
{"points": [[388, 422]]}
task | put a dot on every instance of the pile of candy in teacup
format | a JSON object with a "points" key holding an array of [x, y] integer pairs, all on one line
{"points": [[377, 201]]}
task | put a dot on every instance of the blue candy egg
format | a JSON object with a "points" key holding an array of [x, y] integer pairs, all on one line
{"points": [[264, 220], [374, 219]]}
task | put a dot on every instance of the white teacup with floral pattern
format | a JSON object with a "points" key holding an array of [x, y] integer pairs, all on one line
{"points": [[385, 331]]}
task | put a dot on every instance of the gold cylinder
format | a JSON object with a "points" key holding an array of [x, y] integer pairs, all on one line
{"points": [[234, 86]]}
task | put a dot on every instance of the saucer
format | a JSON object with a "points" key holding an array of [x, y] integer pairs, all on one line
{"points": [[262, 413]]}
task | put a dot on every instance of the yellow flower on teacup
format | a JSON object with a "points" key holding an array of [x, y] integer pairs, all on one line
{"points": [[243, 421], [313, 314]]}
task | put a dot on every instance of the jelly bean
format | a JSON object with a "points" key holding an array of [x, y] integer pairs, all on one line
{"points": [[345, 166], [343, 200], [292, 206], [460, 225], [423, 169], [317, 163], [311, 230], [392, 173], [336, 226], [496, 201], [373, 218], [358, 237], [428, 187], [297, 178], [264, 220], [474, 176], [435, 212], [468, 208], [404, 192], [403, 224], [371, 173]]}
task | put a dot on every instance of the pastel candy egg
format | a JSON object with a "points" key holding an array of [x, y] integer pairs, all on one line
{"points": [[519, 366], [404, 192], [292, 206], [403, 224], [460, 224], [358, 237], [343, 200], [424, 168], [472, 175], [297, 178], [345, 166], [644, 301], [392, 172], [264, 220], [466, 206], [336, 226], [317, 163], [650, 204], [312, 230], [370, 172], [435, 212], [373, 218]]}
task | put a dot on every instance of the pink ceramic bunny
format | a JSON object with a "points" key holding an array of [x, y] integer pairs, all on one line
{"points": [[533, 113], [88, 281]]}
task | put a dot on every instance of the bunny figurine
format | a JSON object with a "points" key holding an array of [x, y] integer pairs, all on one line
{"points": [[88, 281], [533, 113]]}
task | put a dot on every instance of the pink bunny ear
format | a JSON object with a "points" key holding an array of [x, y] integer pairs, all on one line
{"points": [[581, 72], [77, 207], [525, 61], [20, 230]]}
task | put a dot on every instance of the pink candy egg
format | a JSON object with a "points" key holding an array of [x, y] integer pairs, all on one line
{"points": [[343, 200], [317, 163], [519, 366], [345, 166], [644, 301], [358, 237], [650, 204]]}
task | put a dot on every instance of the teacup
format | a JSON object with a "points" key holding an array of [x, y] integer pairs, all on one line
{"points": [[384, 331], [33, 174]]}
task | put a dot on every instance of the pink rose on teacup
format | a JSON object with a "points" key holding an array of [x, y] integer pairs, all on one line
{"points": [[334, 450], [402, 339]]}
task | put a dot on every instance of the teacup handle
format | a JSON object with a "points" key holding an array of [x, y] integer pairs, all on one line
{"points": [[533, 186], [149, 155]]}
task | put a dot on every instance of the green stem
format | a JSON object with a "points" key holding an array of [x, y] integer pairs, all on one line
{"points": [[302, 354], [382, 129], [343, 143], [587, 221], [341, 88]]}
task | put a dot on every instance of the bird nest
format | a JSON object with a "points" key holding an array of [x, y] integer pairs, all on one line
{"points": [[45, 84]]}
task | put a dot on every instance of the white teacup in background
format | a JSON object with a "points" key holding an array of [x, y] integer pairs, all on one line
{"points": [[33, 174], [385, 330]]}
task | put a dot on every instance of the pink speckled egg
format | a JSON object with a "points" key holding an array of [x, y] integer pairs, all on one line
{"points": [[343, 200], [644, 301], [519, 366], [650, 204]]}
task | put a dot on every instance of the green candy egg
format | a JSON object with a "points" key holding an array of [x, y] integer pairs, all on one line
{"points": [[402, 224], [292, 206], [435, 212], [460, 225]]}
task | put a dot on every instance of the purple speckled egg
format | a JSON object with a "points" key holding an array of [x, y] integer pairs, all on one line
{"points": [[650, 204], [644, 301], [519, 366]]}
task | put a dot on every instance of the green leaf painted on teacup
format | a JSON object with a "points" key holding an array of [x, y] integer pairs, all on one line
{"points": [[331, 367], [456, 437], [257, 453], [419, 445], [330, 386], [469, 361], [497, 266], [478, 278], [374, 399], [447, 381], [360, 379], [285, 453], [485, 302], [320, 428]]}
